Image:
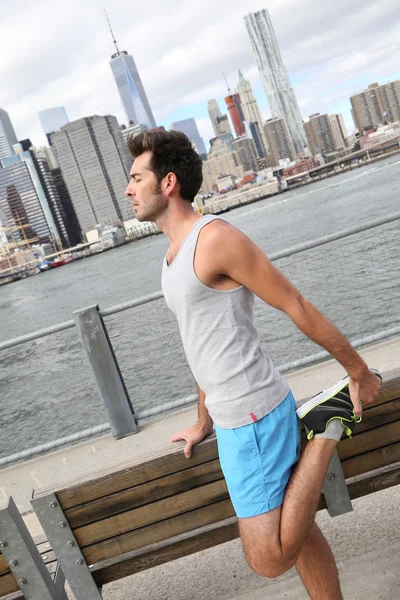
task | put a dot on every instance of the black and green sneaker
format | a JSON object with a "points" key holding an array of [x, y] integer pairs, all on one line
{"points": [[333, 403]]}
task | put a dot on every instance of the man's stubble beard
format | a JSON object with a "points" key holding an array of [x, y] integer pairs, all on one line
{"points": [[155, 206]]}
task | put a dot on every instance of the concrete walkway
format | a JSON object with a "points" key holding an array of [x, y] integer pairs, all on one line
{"points": [[366, 542]]}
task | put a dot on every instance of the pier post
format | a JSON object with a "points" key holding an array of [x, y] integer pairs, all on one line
{"points": [[106, 371]]}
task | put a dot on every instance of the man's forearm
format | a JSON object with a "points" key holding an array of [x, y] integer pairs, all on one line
{"points": [[204, 418], [319, 329]]}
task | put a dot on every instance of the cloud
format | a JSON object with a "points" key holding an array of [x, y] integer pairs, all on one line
{"points": [[56, 53]]}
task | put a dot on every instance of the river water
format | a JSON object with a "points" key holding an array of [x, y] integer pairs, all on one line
{"points": [[46, 388]]}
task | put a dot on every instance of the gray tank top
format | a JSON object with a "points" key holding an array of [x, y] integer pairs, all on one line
{"points": [[222, 345]]}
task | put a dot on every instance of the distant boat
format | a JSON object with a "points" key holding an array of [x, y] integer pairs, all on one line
{"points": [[59, 262]]}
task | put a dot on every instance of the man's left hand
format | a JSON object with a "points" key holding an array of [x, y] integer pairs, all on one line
{"points": [[363, 391]]}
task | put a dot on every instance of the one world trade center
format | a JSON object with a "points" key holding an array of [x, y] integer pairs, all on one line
{"points": [[130, 87]]}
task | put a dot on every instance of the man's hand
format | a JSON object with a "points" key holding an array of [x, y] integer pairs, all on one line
{"points": [[192, 435], [364, 390]]}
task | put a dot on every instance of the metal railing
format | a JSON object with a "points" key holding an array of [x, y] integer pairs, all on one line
{"points": [[107, 375]]}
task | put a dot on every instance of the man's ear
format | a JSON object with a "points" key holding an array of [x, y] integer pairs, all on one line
{"points": [[171, 183]]}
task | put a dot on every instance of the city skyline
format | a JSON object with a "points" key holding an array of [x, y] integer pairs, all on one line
{"points": [[181, 71]]}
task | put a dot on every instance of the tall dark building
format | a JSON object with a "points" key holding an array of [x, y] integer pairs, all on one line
{"points": [[95, 165], [70, 219]]}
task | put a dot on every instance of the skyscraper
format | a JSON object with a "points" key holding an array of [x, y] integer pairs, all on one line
{"points": [[24, 202], [223, 124], [189, 128], [279, 142], [234, 106], [246, 152], [52, 119], [130, 87], [214, 112], [7, 135], [95, 164], [254, 133], [339, 130], [281, 98], [250, 106], [320, 134], [376, 105]]}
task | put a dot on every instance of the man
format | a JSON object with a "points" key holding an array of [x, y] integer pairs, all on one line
{"points": [[210, 275]]}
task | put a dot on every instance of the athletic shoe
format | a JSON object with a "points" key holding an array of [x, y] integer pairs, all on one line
{"points": [[333, 403]]}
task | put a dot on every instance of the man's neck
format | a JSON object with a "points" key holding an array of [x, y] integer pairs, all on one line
{"points": [[176, 223]]}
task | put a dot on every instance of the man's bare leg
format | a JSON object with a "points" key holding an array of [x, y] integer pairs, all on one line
{"points": [[272, 541], [317, 568]]}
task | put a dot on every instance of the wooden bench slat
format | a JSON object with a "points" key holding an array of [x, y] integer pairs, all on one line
{"points": [[158, 554], [141, 469], [377, 415], [369, 440], [167, 529], [151, 513], [135, 471], [143, 494], [380, 457]]}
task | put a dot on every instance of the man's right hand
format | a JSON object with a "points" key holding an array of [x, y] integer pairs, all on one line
{"points": [[192, 435]]}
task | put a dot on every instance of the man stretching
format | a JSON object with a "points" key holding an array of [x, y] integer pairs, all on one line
{"points": [[210, 275]]}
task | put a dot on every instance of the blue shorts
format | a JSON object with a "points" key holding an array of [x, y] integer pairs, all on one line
{"points": [[257, 459]]}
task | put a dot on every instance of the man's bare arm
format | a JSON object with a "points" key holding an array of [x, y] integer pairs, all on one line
{"points": [[196, 433], [238, 258]]}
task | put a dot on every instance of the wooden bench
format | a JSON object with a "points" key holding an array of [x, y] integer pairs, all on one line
{"points": [[148, 511]]}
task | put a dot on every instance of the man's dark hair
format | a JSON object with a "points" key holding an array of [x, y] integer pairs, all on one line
{"points": [[172, 152]]}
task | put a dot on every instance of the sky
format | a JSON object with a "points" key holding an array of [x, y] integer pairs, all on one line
{"points": [[57, 52]]}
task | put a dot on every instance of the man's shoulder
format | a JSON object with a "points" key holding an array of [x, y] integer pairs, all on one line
{"points": [[216, 230]]}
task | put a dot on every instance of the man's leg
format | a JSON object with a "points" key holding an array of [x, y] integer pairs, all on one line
{"points": [[272, 541], [317, 568]]}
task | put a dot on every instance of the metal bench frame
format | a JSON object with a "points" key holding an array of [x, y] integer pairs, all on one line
{"points": [[24, 560]]}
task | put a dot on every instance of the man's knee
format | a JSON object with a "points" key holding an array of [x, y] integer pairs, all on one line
{"points": [[269, 563]]}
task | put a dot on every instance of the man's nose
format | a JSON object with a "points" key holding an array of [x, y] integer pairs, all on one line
{"points": [[129, 191]]}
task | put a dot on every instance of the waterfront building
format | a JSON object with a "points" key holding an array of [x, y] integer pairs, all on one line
{"points": [[52, 119], [279, 142], [189, 128], [133, 96], [339, 130], [281, 98], [95, 164], [377, 105], [320, 134], [7, 135]]}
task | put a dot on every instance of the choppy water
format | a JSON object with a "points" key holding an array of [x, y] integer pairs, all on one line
{"points": [[46, 388]]}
